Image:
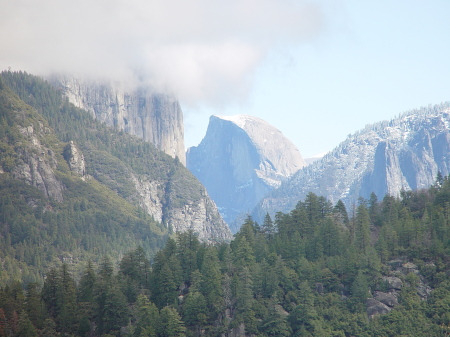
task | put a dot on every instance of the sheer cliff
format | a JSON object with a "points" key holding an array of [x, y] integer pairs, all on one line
{"points": [[154, 117], [405, 153], [240, 160]]}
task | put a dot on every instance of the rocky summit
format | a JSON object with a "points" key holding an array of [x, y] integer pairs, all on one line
{"points": [[405, 153], [240, 160]]}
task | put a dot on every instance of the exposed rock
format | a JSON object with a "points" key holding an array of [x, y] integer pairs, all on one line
{"points": [[393, 283], [409, 267], [423, 289], [376, 308], [75, 159], [387, 298], [157, 118], [241, 159], [385, 158], [396, 263], [148, 196], [199, 216], [37, 164]]}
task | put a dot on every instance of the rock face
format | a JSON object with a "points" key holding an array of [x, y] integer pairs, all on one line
{"points": [[240, 160], [75, 159], [154, 117], [37, 162], [376, 308], [384, 158]]}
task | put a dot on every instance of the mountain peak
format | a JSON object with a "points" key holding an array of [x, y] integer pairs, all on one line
{"points": [[240, 159]]}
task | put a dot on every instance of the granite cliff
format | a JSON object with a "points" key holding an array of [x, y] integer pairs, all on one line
{"points": [[240, 160], [154, 117], [405, 153]]}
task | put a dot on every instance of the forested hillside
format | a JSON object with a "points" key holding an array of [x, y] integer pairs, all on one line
{"points": [[50, 214], [380, 269], [72, 189]]}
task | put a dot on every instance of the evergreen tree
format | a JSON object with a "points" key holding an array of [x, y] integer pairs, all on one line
{"points": [[147, 318], [171, 323], [87, 284], [211, 285], [275, 324], [34, 305], [362, 229], [25, 327], [268, 227]]}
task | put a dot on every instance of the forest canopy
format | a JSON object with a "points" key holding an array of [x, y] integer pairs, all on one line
{"points": [[380, 269]]}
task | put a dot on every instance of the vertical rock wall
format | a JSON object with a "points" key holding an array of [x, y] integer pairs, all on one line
{"points": [[157, 118]]}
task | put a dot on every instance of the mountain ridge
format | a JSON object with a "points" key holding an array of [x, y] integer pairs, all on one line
{"points": [[383, 157], [85, 190]]}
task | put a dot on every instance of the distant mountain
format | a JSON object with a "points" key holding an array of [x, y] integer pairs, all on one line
{"points": [[73, 189], [311, 160], [240, 160], [405, 153], [152, 116]]}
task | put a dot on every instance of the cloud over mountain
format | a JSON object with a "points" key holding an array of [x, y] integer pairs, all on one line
{"points": [[199, 49]]}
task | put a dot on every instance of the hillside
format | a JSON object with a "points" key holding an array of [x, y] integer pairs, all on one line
{"points": [[405, 153], [72, 189]]}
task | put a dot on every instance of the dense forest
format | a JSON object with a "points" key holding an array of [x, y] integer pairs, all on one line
{"points": [[379, 269]]}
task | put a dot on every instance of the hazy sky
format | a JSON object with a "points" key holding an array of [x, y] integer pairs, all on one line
{"points": [[317, 70]]}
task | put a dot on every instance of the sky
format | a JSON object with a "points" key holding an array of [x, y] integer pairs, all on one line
{"points": [[317, 70]]}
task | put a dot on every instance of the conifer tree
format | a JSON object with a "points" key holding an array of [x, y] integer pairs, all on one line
{"points": [[362, 230], [171, 323]]}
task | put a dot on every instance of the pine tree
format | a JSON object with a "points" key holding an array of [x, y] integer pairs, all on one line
{"points": [[25, 327], [171, 323], [34, 305], [275, 324], [147, 317], [211, 285], [268, 227], [362, 230], [87, 284]]}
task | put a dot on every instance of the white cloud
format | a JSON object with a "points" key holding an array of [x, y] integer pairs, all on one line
{"points": [[201, 50]]}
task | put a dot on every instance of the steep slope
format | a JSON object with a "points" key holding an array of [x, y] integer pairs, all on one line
{"points": [[240, 160], [154, 117], [405, 153], [84, 190]]}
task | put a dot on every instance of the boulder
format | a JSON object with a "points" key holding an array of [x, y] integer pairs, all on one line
{"points": [[386, 298], [376, 308], [393, 282]]}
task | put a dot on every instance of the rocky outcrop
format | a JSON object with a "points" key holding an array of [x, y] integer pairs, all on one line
{"points": [[393, 283], [75, 159], [376, 308], [37, 162], [385, 158], [200, 215], [240, 160], [156, 118], [388, 299]]}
